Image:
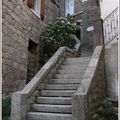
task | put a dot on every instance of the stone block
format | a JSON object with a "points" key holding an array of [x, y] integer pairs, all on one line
{"points": [[92, 89], [19, 103], [78, 107], [19, 25]]}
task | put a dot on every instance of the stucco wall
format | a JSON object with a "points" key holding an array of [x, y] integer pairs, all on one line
{"points": [[19, 25], [111, 60], [111, 50]]}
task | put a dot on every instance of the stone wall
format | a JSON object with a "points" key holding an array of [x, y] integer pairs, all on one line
{"points": [[91, 12], [97, 89], [92, 90], [98, 33], [20, 25], [62, 8]]}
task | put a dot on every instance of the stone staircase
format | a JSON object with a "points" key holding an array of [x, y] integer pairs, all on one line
{"points": [[67, 87], [54, 102]]}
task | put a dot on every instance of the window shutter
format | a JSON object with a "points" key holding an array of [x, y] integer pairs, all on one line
{"points": [[30, 3], [42, 9]]}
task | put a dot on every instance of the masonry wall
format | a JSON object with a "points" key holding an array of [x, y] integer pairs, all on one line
{"points": [[62, 8], [20, 25], [91, 12]]}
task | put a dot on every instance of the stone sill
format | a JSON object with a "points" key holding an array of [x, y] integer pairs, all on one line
{"points": [[35, 14]]}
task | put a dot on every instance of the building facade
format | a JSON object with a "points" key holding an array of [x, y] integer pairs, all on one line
{"points": [[23, 22], [88, 12], [99, 27], [91, 24], [109, 14]]}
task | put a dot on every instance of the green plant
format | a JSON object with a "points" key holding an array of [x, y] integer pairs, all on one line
{"points": [[106, 112], [58, 33], [6, 108]]}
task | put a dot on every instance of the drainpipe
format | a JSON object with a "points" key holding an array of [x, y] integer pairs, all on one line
{"points": [[62, 8]]}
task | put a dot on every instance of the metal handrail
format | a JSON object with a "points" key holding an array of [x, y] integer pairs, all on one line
{"points": [[110, 25], [110, 14]]}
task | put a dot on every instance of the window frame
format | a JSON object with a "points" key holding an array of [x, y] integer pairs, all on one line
{"points": [[71, 10], [37, 7]]}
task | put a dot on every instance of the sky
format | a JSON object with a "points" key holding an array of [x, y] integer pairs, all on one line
{"points": [[107, 6]]}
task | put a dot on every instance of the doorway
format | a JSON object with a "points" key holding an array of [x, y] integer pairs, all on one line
{"points": [[32, 64]]}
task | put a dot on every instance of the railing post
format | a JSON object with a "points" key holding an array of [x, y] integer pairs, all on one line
{"points": [[19, 106], [78, 107]]}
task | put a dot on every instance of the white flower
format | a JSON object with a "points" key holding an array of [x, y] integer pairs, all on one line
{"points": [[74, 23], [63, 22], [68, 23]]}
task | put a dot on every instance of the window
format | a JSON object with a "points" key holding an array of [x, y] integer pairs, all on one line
{"points": [[84, 0], [69, 5], [37, 7]]}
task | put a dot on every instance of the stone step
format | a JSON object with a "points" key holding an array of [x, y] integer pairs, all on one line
{"points": [[85, 53], [54, 100], [77, 60], [48, 116], [73, 68], [68, 76], [62, 86], [70, 71], [52, 108], [76, 66], [75, 63], [57, 93], [65, 81]]}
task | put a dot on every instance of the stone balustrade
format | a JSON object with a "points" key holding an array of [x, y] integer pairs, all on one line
{"points": [[92, 89], [21, 100]]}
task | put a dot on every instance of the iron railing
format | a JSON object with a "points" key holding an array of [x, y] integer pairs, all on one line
{"points": [[110, 25]]}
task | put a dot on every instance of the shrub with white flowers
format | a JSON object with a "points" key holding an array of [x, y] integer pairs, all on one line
{"points": [[58, 33]]}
